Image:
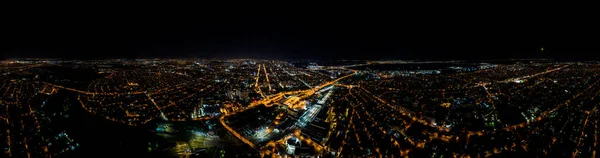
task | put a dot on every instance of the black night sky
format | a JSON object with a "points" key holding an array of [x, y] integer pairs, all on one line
{"points": [[325, 34]]}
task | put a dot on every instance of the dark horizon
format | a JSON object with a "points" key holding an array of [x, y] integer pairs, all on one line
{"points": [[378, 35]]}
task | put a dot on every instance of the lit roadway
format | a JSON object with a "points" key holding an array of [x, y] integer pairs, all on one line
{"points": [[272, 99], [256, 84], [524, 77], [267, 76], [91, 93], [287, 72], [148, 95], [412, 115], [408, 113]]}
